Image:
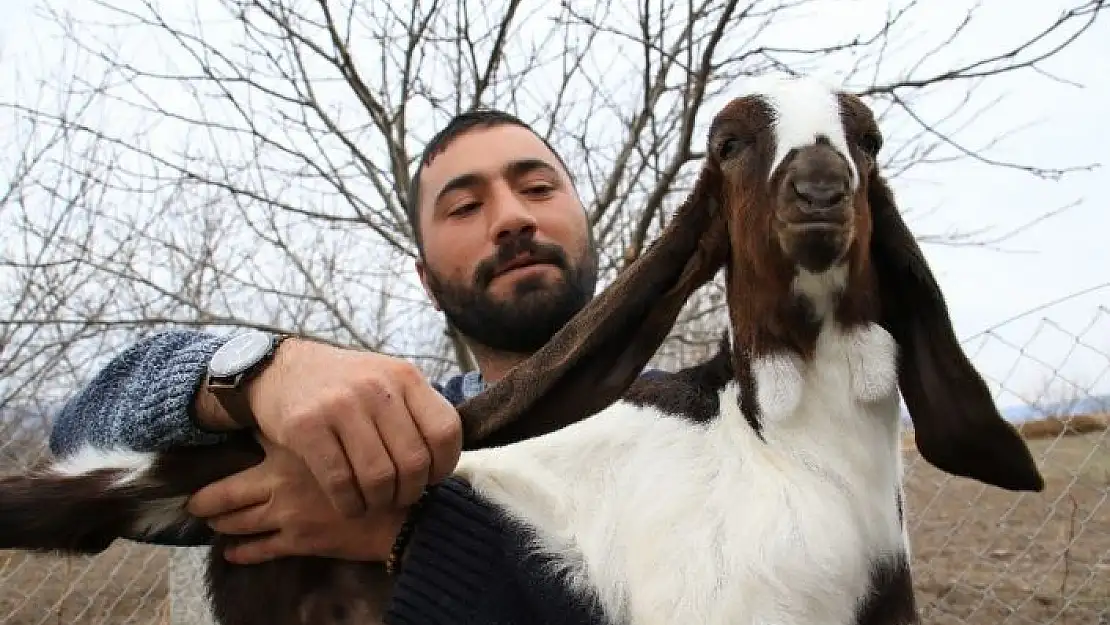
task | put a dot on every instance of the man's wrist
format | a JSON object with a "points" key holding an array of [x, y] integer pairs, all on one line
{"points": [[404, 529], [258, 387], [238, 409]]}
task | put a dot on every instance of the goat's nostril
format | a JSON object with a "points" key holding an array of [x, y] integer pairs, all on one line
{"points": [[820, 194]]}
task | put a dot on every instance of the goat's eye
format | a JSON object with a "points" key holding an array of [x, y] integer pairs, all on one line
{"points": [[729, 147]]}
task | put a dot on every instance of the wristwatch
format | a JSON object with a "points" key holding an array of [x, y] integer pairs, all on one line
{"points": [[236, 361]]}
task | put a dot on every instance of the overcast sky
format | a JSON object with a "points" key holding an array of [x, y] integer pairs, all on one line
{"points": [[1057, 126]]}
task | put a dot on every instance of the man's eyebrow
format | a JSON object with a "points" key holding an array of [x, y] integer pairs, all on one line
{"points": [[462, 181], [514, 169], [524, 166]]}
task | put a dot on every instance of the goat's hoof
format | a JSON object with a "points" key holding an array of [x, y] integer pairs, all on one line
{"points": [[872, 368], [778, 384]]}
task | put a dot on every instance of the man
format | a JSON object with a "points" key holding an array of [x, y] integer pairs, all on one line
{"points": [[506, 254]]}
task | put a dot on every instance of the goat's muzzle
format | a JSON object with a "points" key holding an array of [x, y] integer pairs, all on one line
{"points": [[814, 215]]}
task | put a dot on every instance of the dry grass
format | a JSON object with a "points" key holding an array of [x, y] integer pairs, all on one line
{"points": [[1053, 427], [987, 556], [125, 584], [982, 556]]}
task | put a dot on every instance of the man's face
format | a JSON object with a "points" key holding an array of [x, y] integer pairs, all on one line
{"points": [[508, 255]]}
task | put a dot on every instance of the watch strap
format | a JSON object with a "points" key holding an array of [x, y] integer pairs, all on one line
{"points": [[234, 402]]}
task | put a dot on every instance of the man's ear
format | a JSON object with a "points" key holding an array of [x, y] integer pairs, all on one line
{"points": [[422, 272]]}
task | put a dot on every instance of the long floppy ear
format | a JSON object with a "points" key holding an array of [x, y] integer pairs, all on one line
{"points": [[957, 426], [596, 356]]}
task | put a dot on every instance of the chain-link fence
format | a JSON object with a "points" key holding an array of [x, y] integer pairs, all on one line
{"points": [[981, 555], [985, 556]]}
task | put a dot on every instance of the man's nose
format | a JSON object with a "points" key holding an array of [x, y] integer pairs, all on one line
{"points": [[512, 217]]}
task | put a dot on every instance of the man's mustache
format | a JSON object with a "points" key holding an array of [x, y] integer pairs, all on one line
{"points": [[512, 250]]}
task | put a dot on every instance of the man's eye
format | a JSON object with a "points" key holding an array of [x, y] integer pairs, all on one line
{"points": [[465, 209], [539, 189]]}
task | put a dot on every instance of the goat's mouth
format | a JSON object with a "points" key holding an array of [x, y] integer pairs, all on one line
{"points": [[814, 216], [815, 244], [815, 211], [794, 222], [804, 226]]}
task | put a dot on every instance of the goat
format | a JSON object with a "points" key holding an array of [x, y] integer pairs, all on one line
{"points": [[760, 486]]}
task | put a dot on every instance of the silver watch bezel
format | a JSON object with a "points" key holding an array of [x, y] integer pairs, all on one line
{"points": [[239, 354]]}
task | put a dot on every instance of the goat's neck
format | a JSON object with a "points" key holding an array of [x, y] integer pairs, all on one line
{"points": [[776, 307], [779, 318]]}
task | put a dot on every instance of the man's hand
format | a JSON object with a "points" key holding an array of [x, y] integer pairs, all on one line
{"points": [[280, 510], [369, 427]]}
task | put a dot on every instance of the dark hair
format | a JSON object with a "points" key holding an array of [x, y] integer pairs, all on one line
{"points": [[461, 123]]}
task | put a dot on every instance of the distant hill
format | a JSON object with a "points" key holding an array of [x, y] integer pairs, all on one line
{"points": [[1094, 404], [1019, 413]]}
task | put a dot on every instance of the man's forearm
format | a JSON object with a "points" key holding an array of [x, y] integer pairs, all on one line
{"points": [[145, 398]]}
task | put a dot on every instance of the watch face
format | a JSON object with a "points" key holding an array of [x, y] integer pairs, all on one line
{"points": [[239, 353]]}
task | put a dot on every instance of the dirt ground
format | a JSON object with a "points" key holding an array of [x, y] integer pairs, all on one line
{"points": [[124, 585], [986, 556], [981, 555]]}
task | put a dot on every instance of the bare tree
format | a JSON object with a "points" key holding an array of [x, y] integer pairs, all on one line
{"points": [[246, 162]]}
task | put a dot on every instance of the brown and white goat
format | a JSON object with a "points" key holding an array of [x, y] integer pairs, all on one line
{"points": [[762, 486]]}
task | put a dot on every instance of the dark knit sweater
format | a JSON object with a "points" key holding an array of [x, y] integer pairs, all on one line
{"points": [[466, 564]]}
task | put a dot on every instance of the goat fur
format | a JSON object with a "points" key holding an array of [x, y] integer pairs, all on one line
{"points": [[761, 486]]}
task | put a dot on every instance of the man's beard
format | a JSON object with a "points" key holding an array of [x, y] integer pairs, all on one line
{"points": [[533, 313]]}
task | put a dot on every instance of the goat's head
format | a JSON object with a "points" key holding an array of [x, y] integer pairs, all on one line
{"points": [[797, 159], [796, 162], [789, 187]]}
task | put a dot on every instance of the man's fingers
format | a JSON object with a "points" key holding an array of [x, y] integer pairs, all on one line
{"points": [[241, 490], [253, 520], [326, 459], [371, 461], [407, 449], [257, 550], [439, 425]]}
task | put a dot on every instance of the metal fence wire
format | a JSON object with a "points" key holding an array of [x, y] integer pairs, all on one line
{"points": [[980, 555]]}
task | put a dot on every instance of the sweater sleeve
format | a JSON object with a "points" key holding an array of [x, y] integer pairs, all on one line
{"points": [[469, 563], [142, 399], [449, 560]]}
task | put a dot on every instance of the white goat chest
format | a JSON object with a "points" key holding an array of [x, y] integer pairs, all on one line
{"points": [[666, 520]]}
